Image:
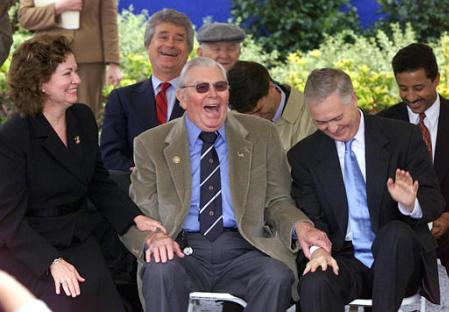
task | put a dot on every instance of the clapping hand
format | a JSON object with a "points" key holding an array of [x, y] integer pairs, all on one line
{"points": [[403, 189]]}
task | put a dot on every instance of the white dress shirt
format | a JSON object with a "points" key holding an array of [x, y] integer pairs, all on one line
{"points": [[170, 93], [431, 121]]}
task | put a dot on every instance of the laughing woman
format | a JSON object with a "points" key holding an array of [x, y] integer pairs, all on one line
{"points": [[50, 166]]}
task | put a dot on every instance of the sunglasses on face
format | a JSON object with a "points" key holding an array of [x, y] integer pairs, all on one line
{"points": [[204, 87]]}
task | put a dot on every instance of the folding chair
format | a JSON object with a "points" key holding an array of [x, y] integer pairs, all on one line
{"points": [[217, 302], [362, 303]]}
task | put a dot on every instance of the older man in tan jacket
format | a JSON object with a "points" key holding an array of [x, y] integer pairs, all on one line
{"points": [[219, 183], [95, 43]]}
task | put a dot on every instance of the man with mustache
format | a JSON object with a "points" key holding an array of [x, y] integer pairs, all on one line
{"points": [[416, 71], [133, 109]]}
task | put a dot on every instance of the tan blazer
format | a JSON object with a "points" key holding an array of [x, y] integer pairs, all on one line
{"points": [[259, 181], [295, 123], [5, 30], [96, 41]]}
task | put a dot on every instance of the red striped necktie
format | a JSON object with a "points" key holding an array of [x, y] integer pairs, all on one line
{"points": [[425, 133], [161, 103]]}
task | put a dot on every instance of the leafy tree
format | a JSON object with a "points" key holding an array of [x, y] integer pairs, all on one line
{"points": [[428, 18], [293, 25]]}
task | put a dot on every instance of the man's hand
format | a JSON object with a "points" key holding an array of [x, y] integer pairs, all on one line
{"points": [[113, 74], [308, 236], [162, 247], [68, 5], [440, 225], [146, 224], [403, 189], [66, 276], [321, 258]]}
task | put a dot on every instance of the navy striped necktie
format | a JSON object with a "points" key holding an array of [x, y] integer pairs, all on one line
{"points": [[211, 215]]}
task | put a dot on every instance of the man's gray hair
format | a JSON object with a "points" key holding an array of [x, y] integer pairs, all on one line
{"points": [[322, 82], [199, 62], [169, 16]]}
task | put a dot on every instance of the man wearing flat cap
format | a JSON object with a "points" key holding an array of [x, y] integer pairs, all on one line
{"points": [[220, 42]]}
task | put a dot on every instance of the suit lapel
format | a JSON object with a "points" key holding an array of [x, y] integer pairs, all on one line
{"points": [[441, 164], [54, 146], [178, 111], [402, 112], [177, 157], [145, 104], [377, 162], [240, 155], [329, 172]]}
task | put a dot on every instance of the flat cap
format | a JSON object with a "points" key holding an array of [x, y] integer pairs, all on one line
{"points": [[220, 32]]}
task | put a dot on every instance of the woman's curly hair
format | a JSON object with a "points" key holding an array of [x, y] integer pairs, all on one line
{"points": [[32, 64]]}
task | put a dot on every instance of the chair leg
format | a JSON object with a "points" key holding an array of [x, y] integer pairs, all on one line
{"points": [[423, 304]]}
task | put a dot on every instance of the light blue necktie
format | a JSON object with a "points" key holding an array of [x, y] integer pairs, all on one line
{"points": [[359, 218]]}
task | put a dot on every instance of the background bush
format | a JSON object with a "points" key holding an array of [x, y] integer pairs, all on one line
{"points": [[365, 59], [292, 25], [428, 18]]}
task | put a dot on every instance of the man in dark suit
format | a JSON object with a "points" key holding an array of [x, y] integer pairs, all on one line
{"points": [[416, 72], [133, 109], [368, 183]]}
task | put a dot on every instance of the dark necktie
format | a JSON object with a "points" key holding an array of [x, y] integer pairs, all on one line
{"points": [[425, 133], [359, 218], [211, 216], [161, 103]]}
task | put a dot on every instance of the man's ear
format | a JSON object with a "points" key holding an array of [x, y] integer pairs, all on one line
{"points": [[437, 79], [200, 51], [180, 95]]}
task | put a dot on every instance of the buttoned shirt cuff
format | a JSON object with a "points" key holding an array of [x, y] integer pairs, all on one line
{"points": [[416, 213]]}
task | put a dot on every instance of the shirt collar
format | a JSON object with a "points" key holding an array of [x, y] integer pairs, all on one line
{"points": [[193, 132], [281, 106], [156, 83], [432, 113], [359, 138]]}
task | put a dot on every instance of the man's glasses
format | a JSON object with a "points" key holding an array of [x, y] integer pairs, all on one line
{"points": [[204, 87]]}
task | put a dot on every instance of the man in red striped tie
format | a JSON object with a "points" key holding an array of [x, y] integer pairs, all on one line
{"points": [[146, 104], [416, 72]]}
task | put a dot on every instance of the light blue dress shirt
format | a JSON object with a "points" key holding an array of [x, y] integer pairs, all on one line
{"points": [[191, 224]]}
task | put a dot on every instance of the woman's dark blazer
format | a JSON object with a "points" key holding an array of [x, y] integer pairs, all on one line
{"points": [[44, 187]]}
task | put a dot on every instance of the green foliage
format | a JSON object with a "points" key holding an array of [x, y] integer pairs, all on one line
{"points": [[428, 18], [20, 35], [293, 25], [133, 55], [366, 60]]}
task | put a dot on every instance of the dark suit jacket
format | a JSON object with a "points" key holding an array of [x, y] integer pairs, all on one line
{"points": [[440, 163], [318, 186], [129, 111], [41, 176]]}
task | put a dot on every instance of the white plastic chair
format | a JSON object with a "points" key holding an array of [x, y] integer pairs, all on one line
{"points": [[362, 303], [213, 302]]}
